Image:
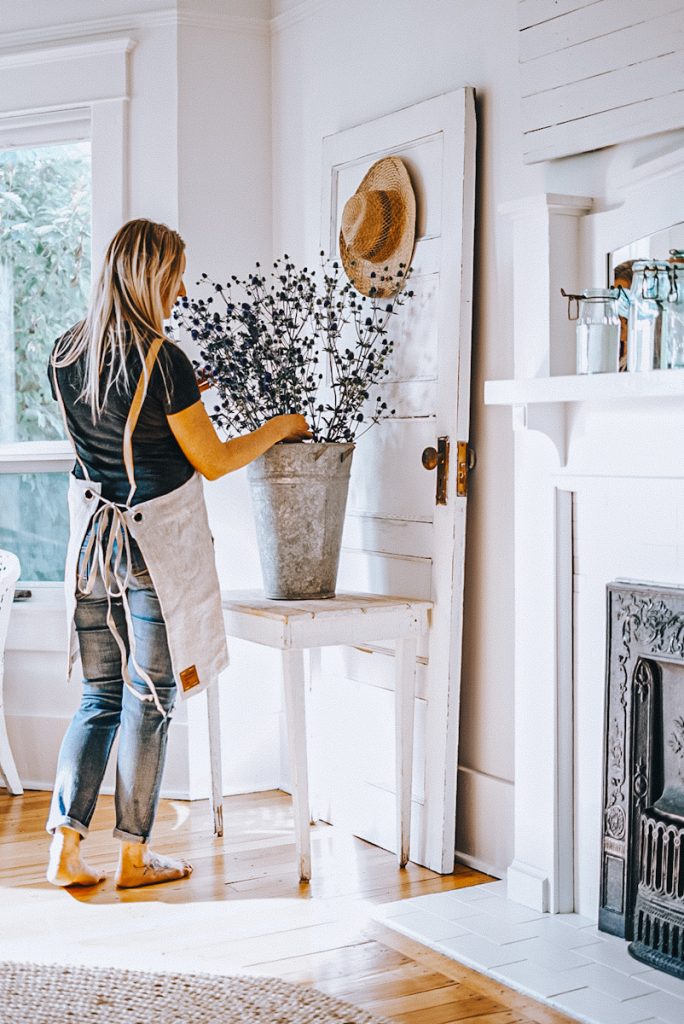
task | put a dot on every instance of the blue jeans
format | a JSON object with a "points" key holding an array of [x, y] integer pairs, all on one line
{"points": [[107, 706]]}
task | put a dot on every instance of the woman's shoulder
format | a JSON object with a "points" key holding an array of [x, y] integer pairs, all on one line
{"points": [[176, 380], [172, 351], [173, 360]]}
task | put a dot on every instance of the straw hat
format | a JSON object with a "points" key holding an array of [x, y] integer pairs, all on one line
{"points": [[378, 229]]}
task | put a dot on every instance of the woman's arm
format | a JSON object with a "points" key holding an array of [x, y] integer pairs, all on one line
{"points": [[213, 457]]}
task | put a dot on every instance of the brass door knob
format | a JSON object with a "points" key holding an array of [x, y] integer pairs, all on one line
{"points": [[430, 458]]}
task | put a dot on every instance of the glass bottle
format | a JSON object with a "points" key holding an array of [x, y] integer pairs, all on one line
{"points": [[648, 296], [672, 356], [598, 331]]}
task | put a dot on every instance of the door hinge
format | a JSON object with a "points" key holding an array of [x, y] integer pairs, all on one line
{"points": [[465, 461]]}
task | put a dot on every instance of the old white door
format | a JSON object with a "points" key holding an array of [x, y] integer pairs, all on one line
{"points": [[397, 539]]}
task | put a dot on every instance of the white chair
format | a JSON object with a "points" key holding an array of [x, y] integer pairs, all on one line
{"points": [[9, 574]]}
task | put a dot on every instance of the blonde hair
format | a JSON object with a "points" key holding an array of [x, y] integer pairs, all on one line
{"points": [[142, 267]]}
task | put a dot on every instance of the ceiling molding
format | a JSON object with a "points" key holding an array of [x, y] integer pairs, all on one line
{"points": [[36, 37], [49, 35], [50, 54], [304, 9], [233, 23]]}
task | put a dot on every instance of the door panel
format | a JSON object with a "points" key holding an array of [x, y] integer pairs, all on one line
{"points": [[397, 540]]}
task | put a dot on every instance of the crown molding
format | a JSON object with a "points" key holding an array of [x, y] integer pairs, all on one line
{"points": [[71, 31], [47, 36], [304, 9], [234, 23], [50, 54]]}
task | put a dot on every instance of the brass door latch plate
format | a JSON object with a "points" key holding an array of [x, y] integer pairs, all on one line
{"points": [[438, 458], [465, 461]]}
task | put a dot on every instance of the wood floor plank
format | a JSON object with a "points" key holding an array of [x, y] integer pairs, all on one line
{"points": [[244, 909]]}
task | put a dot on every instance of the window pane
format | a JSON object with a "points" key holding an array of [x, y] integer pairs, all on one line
{"points": [[44, 277], [34, 522]]}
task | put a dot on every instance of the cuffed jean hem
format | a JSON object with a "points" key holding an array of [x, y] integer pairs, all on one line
{"points": [[126, 837], [52, 826]]}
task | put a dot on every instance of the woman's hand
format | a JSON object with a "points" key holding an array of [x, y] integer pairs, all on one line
{"points": [[291, 427]]}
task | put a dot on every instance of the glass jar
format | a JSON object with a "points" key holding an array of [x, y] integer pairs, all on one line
{"points": [[648, 296], [672, 355], [598, 331]]}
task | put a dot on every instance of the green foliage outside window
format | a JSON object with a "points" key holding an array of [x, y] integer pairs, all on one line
{"points": [[44, 276]]}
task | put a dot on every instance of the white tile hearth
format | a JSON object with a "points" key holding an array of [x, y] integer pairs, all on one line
{"points": [[560, 959]]}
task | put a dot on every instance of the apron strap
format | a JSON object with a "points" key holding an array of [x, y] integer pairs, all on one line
{"points": [[66, 425], [134, 413]]}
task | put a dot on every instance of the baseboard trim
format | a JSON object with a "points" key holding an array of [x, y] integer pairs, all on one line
{"points": [[479, 865], [528, 885]]}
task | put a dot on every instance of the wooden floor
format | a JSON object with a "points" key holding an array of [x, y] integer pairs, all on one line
{"points": [[244, 911]]}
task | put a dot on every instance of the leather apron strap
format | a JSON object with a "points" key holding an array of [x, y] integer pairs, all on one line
{"points": [[109, 521], [134, 413]]}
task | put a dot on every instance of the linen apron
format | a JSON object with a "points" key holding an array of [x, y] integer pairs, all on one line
{"points": [[172, 532]]}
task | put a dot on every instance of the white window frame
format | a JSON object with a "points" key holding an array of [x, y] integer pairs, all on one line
{"points": [[77, 92]]}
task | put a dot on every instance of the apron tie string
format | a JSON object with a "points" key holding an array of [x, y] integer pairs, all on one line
{"points": [[113, 564]]}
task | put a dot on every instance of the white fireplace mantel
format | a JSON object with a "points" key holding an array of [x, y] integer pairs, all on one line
{"points": [[562, 241], [539, 403]]}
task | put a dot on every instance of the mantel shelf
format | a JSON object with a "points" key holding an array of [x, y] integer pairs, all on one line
{"points": [[540, 403], [597, 387]]}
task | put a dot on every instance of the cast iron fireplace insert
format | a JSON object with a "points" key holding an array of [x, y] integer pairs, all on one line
{"points": [[642, 861]]}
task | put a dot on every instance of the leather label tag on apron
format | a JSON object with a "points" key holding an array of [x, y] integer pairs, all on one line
{"points": [[189, 678]]}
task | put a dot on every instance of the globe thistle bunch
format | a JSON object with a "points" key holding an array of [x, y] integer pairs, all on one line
{"points": [[294, 340]]}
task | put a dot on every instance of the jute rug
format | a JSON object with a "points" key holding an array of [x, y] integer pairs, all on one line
{"points": [[52, 994]]}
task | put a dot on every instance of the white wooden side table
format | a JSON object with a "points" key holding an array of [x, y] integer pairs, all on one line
{"points": [[294, 626]]}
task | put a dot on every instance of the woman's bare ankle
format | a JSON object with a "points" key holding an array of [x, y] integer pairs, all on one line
{"points": [[66, 865]]}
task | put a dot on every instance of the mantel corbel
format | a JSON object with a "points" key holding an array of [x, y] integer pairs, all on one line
{"points": [[548, 418]]}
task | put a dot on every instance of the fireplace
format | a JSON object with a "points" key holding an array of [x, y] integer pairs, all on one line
{"points": [[642, 862]]}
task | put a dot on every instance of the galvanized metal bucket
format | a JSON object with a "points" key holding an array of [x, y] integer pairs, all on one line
{"points": [[299, 496]]}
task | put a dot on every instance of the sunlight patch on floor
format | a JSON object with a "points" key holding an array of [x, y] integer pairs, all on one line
{"points": [[49, 926]]}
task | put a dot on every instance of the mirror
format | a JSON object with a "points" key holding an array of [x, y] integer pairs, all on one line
{"points": [[655, 246]]}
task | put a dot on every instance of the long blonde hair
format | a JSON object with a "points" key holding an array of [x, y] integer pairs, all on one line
{"points": [[142, 267]]}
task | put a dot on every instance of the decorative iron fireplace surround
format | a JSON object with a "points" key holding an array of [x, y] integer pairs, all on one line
{"points": [[642, 863]]}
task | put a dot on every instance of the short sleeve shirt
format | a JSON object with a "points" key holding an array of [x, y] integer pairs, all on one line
{"points": [[159, 463]]}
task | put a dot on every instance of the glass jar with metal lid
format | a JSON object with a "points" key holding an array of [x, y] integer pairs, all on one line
{"points": [[597, 329], [672, 355], [650, 292]]}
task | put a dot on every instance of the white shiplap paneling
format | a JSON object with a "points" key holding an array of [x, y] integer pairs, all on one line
{"points": [[597, 72]]}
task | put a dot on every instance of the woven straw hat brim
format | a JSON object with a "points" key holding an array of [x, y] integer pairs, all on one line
{"points": [[388, 174]]}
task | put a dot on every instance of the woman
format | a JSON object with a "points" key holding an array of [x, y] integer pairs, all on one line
{"points": [[141, 583]]}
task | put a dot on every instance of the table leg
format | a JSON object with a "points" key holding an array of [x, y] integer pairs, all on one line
{"points": [[404, 700], [295, 712], [311, 739], [8, 768], [214, 718]]}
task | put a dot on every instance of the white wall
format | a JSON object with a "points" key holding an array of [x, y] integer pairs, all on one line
{"points": [[345, 64], [198, 159], [336, 65], [224, 196]]}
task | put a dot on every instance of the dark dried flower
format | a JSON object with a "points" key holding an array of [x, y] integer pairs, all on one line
{"points": [[261, 350]]}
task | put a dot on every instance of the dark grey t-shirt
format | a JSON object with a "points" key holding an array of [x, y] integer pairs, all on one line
{"points": [[159, 463]]}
